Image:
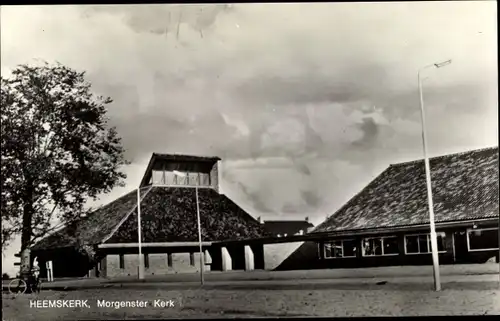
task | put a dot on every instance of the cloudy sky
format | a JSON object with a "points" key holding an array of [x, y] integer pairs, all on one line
{"points": [[305, 103]]}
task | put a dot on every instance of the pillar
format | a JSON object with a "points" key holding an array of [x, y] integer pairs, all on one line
{"points": [[208, 257], [103, 272], [249, 259], [227, 264], [237, 253], [216, 256], [258, 253]]}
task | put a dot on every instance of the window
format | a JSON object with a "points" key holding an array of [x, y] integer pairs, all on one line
{"points": [[205, 179], [190, 179], [193, 179], [170, 178], [482, 239], [146, 260], [169, 260], [421, 243], [340, 248], [378, 246], [122, 261], [156, 177]]}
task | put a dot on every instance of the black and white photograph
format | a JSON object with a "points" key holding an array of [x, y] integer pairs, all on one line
{"points": [[249, 160]]}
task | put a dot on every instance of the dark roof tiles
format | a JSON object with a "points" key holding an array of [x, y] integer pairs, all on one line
{"points": [[464, 186], [168, 215], [94, 227]]}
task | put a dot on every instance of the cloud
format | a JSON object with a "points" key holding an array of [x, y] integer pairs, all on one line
{"points": [[292, 96], [370, 130]]}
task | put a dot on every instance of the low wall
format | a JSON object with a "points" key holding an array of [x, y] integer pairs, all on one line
{"points": [[158, 264]]}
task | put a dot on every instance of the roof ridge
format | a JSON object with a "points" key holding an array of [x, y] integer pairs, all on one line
{"points": [[444, 156], [64, 225], [126, 215], [113, 201], [353, 198], [358, 208], [249, 216]]}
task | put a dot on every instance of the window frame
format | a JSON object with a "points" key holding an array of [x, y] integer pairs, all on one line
{"points": [[480, 229], [342, 244], [382, 238], [443, 234]]}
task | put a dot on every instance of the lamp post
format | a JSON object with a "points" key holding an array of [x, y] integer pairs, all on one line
{"points": [[435, 257], [202, 265], [139, 231], [139, 236]]}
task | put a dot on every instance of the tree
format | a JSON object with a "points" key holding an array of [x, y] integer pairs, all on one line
{"points": [[57, 150]]}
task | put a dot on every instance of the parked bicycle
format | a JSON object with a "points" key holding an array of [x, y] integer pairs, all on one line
{"points": [[30, 284]]}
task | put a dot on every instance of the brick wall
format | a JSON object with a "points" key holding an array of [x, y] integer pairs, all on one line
{"points": [[158, 264]]}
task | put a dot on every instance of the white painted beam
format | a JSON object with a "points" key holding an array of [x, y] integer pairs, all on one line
{"points": [[157, 244]]}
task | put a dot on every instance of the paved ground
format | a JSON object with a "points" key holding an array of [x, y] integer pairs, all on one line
{"points": [[395, 291], [450, 282], [451, 273], [332, 300]]}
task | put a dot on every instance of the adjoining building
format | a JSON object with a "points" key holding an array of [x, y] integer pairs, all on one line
{"points": [[284, 228], [387, 222], [169, 227]]}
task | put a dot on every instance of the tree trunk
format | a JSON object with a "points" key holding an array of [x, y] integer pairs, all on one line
{"points": [[26, 233], [27, 228]]}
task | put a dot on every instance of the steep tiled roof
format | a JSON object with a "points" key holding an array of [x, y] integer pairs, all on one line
{"points": [[464, 187], [168, 214], [286, 227], [94, 227]]}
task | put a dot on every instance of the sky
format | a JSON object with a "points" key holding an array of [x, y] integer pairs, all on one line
{"points": [[305, 103]]}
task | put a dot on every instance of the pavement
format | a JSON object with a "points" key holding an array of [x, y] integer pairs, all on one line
{"points": [[455, 276]]}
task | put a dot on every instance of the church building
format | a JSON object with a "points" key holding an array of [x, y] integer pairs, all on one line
{"points": [[170, 192]]}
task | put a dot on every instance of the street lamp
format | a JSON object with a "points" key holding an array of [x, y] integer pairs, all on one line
{"points": [[139, 236], [435, 257], [202, 265]]}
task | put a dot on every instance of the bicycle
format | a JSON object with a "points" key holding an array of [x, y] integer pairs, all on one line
{"points": [[17, 286], [20, 286]]}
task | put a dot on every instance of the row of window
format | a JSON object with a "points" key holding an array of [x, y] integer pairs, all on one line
{"points": [[482, 239], [187, 179], [379, 246], [477, 240]]}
